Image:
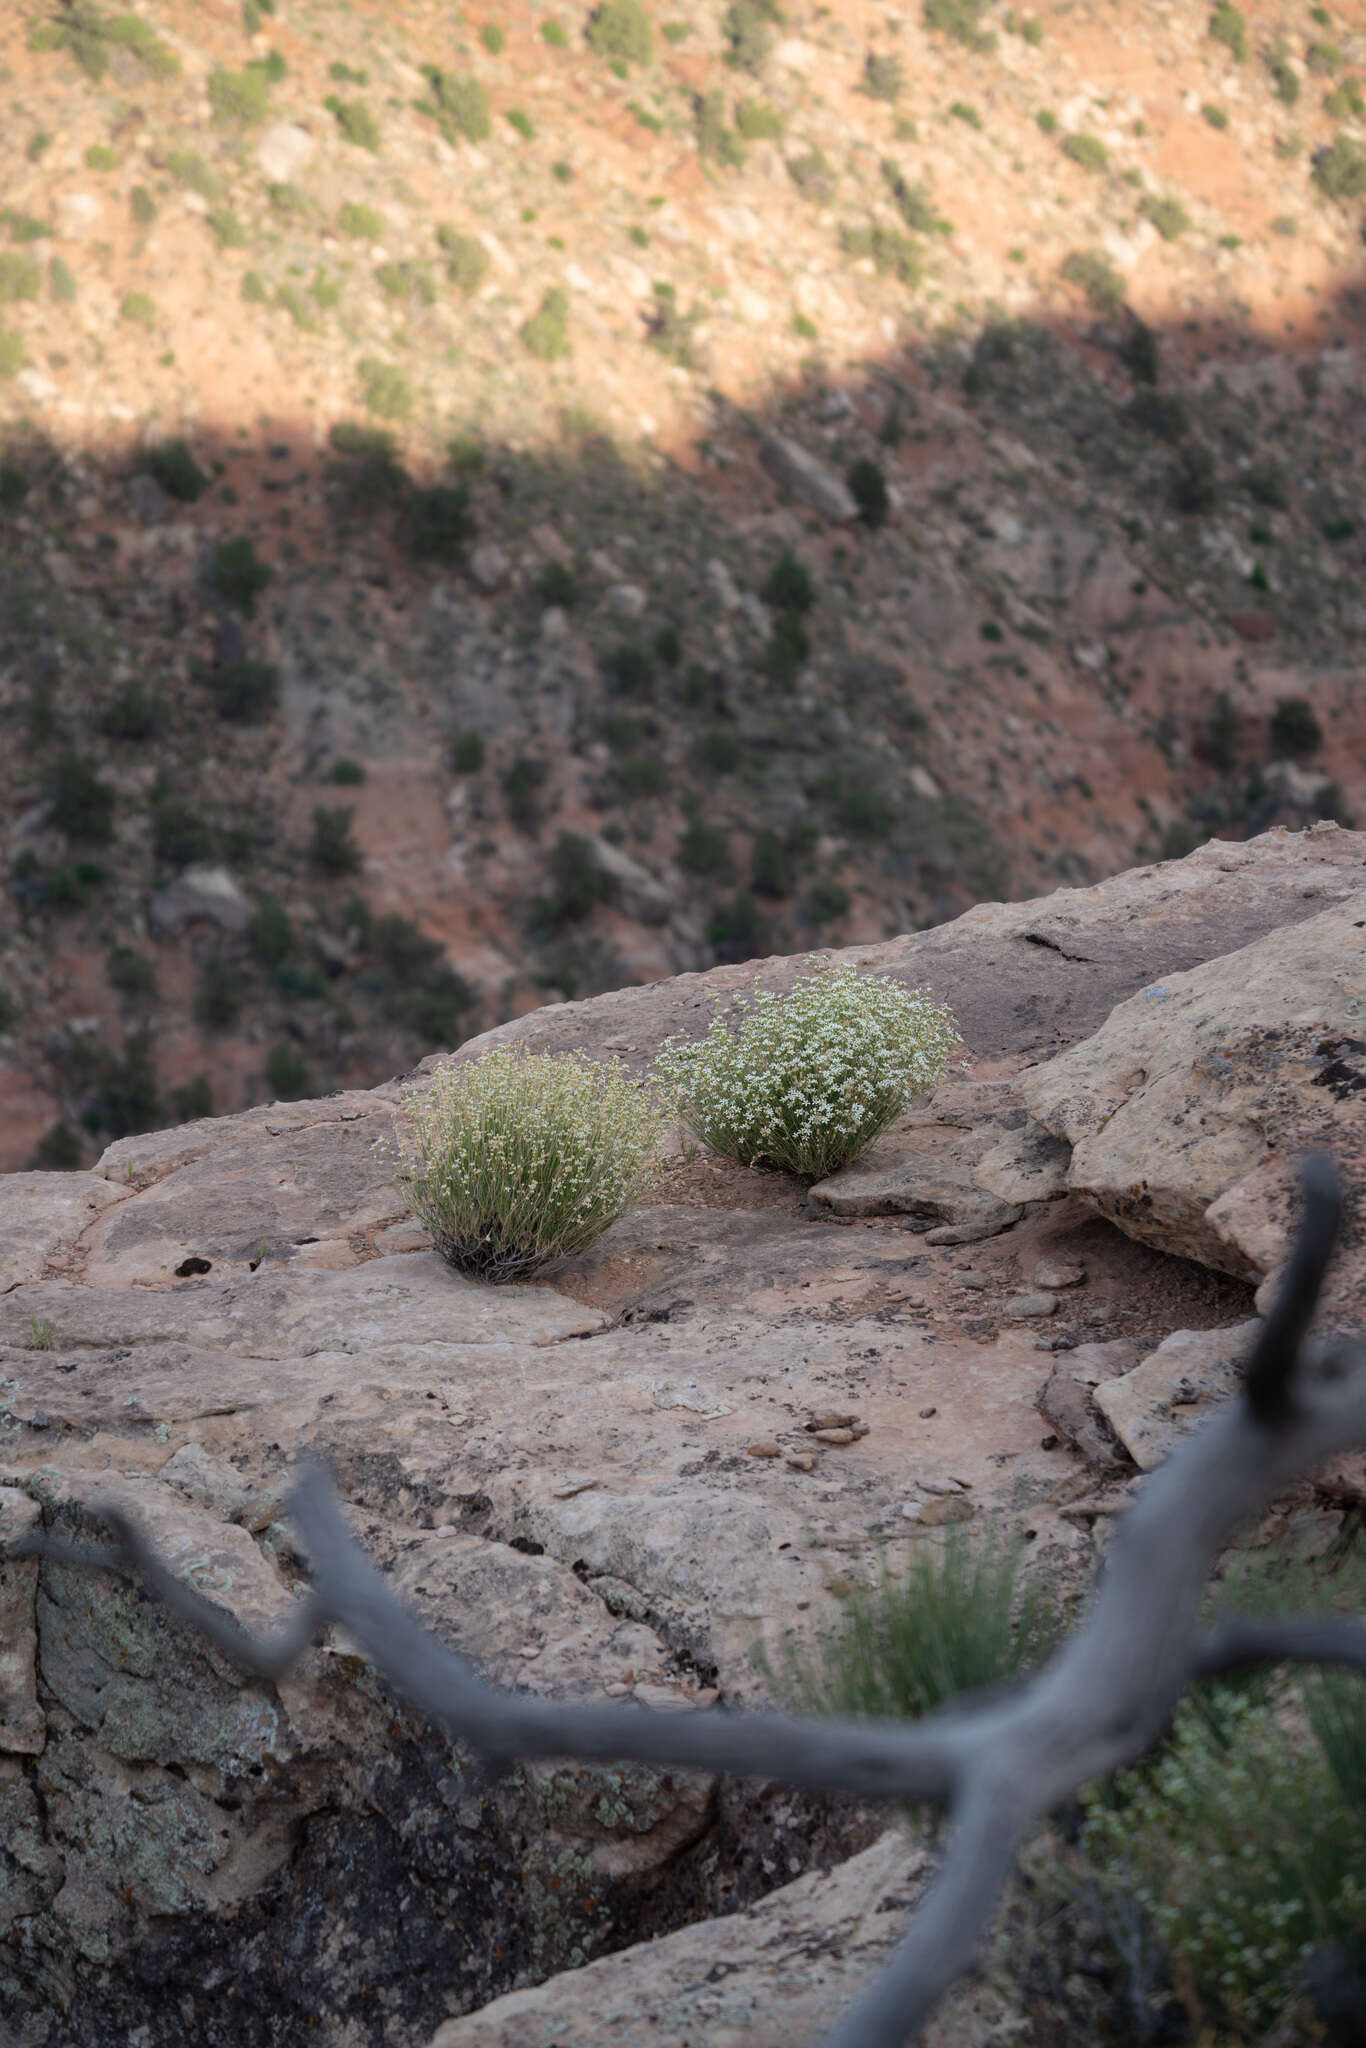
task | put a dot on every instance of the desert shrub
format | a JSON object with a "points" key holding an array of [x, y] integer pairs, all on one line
{"points": [[733, 928], [1284, 78], [467, 755], [862, 808], [788, 585], [460, 106], [290, 200], [1265, 484], [271, 934], [142, 206], [21, 277], [286, 1074], [544, 335], [1215, 116], [813, 176], [140, 309], [89, 35], [518, 118], [703, 850], [620, 28], [1241, 1844], [61, 282], [226, 229], [668, 328], [364, 222], [1323, 59], [868, 487], [325, 292], [1168, 216], [467, 260], [789, 647], [181, 834], [100, 157], [192, 1100], [123, 1097], [238, 575], [175, 469], [254, 288], [892, 253], [13, 354], [720, 752], [954, 1622], [961, 20], [385, 389], [491, 36], [521, 782], [578, 884], [715, 141], [79, 804], [513, 1161], [243, 692], [191, 170], [1227, 26], [218, 993], [770, 871], [1046, 121], [1087, 150], [135, 713], [807, 1080], [1139, 353], [641, 775], [757, 121], [883, 77], [241, 96], [357, 124], [556, 585], [913, 202], [961, 111], [405, 281], [59, 1150], [438, 523], [1344, 102], [1339, 171], [1293, 727], [628, 670], [331, 849], [748, 28], [346, 772], [290, 300], [556, 34], [1194, 479], [131, 973], [1162, 413], [1096, 276]]}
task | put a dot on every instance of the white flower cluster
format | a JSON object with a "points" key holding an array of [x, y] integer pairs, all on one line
{"points": [[514, 1159], [807, 1080]]}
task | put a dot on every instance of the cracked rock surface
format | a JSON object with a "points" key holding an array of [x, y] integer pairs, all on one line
{"points": [[557, 1476]]}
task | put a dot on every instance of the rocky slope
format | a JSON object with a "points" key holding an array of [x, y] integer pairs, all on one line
{"points": [[616, 1479], [306, 479]]}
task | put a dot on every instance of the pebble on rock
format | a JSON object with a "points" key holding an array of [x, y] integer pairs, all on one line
{"points": [[1021, 1308], [764, 1448], [1052, 1273]]}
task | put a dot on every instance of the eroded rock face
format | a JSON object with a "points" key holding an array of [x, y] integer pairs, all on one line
{"points": [[1187, 1110], [558, 1478]]}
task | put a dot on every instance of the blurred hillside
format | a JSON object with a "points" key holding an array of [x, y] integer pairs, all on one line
{"points": [[500, 503]]}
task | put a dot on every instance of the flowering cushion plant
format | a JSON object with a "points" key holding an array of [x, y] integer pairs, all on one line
{"points": [[513, 1160], [807, 1080]]}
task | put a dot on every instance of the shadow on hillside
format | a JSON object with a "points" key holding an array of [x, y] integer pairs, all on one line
{"points": [[213, 643]]}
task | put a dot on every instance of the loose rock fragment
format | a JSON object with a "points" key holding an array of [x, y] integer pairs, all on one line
{"points": [[764, 1448], [1022, 1308], [1051, 1273]]}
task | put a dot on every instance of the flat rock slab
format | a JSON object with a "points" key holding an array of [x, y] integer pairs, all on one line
{"points": [[1187, 1109], [1191, 1372], [42, 1217], [778, 1975], [902, 1175]]}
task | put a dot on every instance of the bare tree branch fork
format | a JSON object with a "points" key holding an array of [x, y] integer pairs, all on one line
{"points": [[999, 1764]]}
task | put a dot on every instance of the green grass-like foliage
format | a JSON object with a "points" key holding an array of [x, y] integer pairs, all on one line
{"points": [[1243, 1841], [953, 1624], [514, 1160], [1340, 169], [544, 335], [621, 28], [806, 1081], [89, 35], [960, 20], [1228, 26], [1094, 274]]}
